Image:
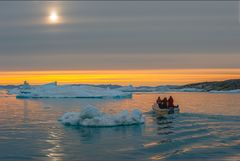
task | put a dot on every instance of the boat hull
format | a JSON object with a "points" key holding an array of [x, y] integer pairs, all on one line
{"points": [[162, 112]]}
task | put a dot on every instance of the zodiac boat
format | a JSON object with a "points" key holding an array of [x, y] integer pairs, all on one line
{"points": [[162, 112]]}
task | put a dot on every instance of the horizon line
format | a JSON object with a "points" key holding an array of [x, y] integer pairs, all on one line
{"points": [[119, 84]]}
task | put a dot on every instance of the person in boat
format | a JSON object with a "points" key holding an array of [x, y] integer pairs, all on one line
{"points": [[170, 102], [165, 103], [159, 102]]}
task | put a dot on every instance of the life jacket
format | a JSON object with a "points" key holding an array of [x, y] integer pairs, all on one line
{"points": [[158, 101], [170, 102], [165, 100], [165, 103]]}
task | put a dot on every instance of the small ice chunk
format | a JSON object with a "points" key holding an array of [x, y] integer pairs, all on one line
{"points": [[70, 118]]}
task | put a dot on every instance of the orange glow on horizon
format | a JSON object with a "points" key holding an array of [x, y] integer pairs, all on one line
{"points": [[121, 77]]}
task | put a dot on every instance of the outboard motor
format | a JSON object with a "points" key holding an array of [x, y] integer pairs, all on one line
{"points": [[171, 111]]}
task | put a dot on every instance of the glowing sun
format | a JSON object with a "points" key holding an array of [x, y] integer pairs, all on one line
{"points": [[53, 17]]}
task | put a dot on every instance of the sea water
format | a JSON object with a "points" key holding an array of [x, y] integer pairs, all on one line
{"points": [[208, 127]]}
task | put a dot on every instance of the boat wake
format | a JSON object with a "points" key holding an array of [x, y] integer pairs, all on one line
{"points": [[193, 136]]}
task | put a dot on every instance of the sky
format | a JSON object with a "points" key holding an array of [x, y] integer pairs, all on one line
{"points": [[115, 36]]}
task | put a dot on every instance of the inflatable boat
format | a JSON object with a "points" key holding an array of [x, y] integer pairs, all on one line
{"points": [[162, 112]]}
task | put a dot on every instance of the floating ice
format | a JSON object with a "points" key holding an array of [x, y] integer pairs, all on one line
{"points": [[92, 116], [157, 89], [52, 90], [228, 91], [190, 90]]}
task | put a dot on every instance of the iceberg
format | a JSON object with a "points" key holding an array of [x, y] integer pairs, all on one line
{"points": [[52, 90], [166, 88], [190, 90], [131, 88], [226, 91], [91, 116], [24, 86], [13, 91]]}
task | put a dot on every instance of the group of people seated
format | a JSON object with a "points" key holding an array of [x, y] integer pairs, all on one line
{"points": [[165, 103]]}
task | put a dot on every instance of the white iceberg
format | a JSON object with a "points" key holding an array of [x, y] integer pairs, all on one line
{"points": [[24, 86], [13, 91], [228, 91], [129, 88], [190, 90], [92, 116], [52, 90], [166, 88]]}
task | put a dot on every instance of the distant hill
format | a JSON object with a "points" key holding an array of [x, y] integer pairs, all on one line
{"points": [[231, 84]]}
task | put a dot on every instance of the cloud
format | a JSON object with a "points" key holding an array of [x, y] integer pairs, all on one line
{"points": [[130, 31]]}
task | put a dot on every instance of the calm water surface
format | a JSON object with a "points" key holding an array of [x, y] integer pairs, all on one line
{"points": [[208, 127]]}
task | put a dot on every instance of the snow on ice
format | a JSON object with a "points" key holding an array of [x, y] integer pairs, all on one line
{"points": [[52, 90], [92, 116]]}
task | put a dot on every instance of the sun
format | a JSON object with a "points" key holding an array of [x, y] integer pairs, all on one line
{"points": [[53, 17]]}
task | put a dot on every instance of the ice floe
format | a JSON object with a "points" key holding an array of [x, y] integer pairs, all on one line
{"points": [[92, 116], [228, 91], [52, 90]]}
